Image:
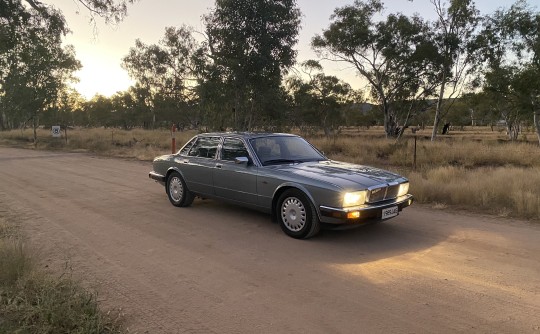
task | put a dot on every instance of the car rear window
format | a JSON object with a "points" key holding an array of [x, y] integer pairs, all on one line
{"points": [[205, 147]]}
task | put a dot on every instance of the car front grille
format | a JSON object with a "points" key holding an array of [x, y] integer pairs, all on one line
{"points": [[383, 193]]}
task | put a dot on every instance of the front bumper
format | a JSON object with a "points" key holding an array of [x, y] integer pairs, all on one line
{"points": [[367, 213]]}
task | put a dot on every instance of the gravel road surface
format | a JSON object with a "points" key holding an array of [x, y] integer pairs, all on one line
{"points": [[217, 268]]}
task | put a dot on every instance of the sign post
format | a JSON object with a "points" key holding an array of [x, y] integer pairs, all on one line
{"points": [[56, 131], [173, 135]]}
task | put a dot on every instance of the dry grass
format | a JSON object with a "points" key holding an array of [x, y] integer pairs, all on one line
{"points": [[32, 301], [15, 261], [505, 191], [474, 168], [136, 144], [448, 150]]}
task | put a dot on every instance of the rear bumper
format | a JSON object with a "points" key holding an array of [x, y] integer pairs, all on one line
{"points": [[157, 177], [367, 213]]}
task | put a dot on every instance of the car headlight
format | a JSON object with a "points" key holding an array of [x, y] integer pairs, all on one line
{"points": [[403, 189], [354, 198]]}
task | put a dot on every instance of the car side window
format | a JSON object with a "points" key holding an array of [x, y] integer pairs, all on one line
{"points": [[205, 147], [187, 147], [233, 148]]}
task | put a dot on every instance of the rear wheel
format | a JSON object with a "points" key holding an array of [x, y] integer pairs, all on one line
{"points": [[177, 191], [296, 215]]}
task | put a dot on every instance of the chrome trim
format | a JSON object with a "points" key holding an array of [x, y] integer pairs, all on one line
{"points": [[382, 187], [401, 200]]}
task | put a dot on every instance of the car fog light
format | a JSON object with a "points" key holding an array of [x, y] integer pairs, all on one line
{"points": [[353, 214]]}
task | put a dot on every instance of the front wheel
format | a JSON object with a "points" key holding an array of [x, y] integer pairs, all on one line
{"points": [[177, 191], [296, 215]]}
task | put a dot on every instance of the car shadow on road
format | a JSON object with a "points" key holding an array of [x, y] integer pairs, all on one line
{"points": [[397, 236]]}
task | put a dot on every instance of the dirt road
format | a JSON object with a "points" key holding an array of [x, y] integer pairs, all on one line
{"points": [[216, 268]]}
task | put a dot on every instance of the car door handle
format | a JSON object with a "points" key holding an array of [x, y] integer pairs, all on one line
{"points": [[218, 165], [186, 161]]}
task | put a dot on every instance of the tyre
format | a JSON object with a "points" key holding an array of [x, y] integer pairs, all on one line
{"points": [[296, 215], [177, 191]]}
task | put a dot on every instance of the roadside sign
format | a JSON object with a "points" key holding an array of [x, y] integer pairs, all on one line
{"points": [[56, 131]]}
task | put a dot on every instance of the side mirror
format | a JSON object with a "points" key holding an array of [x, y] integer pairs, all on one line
{"points": [[241, 160]]}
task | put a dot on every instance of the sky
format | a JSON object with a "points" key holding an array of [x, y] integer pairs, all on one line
{"points": [[101, 47]]}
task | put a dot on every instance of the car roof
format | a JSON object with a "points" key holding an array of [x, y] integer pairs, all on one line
{"points": [[247, 135]]}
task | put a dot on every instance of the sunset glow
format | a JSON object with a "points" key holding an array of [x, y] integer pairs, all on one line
{"points": [[101, 47]]}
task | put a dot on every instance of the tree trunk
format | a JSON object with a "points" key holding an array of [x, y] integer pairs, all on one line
{"points": [[513, 129], [389, 121], [34, 126], [438, 108], [405, 124], [537, 124]]}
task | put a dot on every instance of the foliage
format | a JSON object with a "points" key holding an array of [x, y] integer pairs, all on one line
{"points": [[250, 46], [236, 78], [110, 10], [35, 66], [511, 47], [454, 37], [393, 55], [165, 74], [320, 100]]}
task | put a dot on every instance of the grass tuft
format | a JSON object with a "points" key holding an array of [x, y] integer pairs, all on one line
{"points": [[41, 304], [15, 261], [504, 191], [32, 301]]}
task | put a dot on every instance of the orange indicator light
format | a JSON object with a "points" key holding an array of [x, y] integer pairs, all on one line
{"points": [[353, 214]]}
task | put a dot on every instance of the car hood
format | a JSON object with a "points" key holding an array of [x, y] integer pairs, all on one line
{"points": [[344, 175]]}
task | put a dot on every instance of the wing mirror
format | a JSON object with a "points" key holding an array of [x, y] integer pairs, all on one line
{"points": [[241, 160]]}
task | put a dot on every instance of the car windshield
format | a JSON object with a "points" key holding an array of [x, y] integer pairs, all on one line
{"points": [[273, 150]]}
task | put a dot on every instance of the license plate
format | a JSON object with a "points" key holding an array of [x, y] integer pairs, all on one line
{"points": [[390, 212]]}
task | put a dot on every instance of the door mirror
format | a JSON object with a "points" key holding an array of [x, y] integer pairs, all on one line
{"points": [[241, 160]]}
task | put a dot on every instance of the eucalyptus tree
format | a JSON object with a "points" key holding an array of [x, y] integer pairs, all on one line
{"points": [[250, 47], [34, 66], [110, 10], [319, 99], [510, 43], [455, 32], [505, 100], [394, 54], [167, 71], [63, 110]]}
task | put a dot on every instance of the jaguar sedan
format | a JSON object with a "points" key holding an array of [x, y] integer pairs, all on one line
{"points": [[283, 175]]}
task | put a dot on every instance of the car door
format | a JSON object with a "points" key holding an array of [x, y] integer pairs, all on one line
{"points": [[198, 165], [233, 181]]}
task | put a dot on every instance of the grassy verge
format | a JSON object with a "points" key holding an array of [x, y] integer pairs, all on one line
{"points": [[475, 168], [32, 301], [504, 191]]}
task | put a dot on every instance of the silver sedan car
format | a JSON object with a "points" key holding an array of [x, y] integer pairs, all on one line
{"points": [[283, 175]]}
